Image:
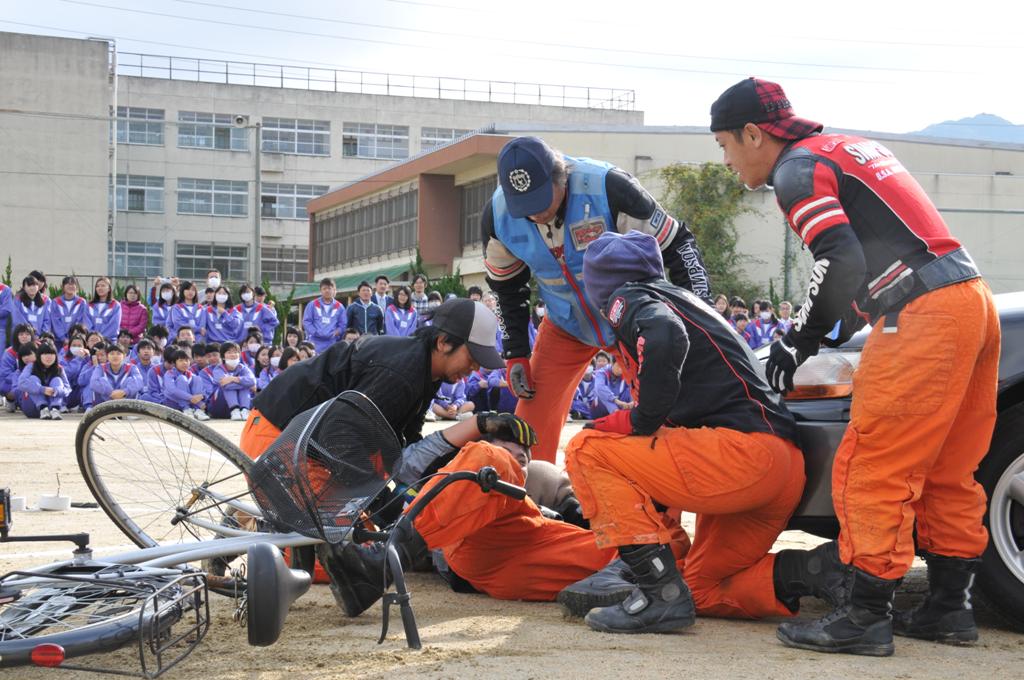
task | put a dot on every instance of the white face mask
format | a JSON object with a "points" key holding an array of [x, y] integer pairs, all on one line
{"points": [[213, 282], [274, 361], [167, 296], [221, 298], [231, 363], [540, 311], [433, 305], [246, 297], [160, 342], [766, 316], [78, 351], [252, 347]]}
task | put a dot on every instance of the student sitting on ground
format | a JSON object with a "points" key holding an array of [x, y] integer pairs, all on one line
{"points": [[230, 385], [11, 363], [74, 359], [116, 379], [98, 357], [154, 390], [271, 369], [450, 402], [183, 389], [42, 385]]}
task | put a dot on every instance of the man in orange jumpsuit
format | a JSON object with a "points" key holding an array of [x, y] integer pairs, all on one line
{"points": [[707, 435], [924, 402], [545, 212]]}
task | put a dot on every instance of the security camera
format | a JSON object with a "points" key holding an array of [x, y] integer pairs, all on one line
{"points": [[241, 120]]}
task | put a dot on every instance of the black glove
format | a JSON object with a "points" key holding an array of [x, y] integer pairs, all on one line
{"points": [[507, 427], [783, 360]]}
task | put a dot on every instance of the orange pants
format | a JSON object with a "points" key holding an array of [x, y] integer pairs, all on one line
{"points": [[924, 406], [502, 546], [743, 487], [557, 365]]}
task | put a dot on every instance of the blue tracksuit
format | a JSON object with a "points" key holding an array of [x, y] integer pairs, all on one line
{"points": [[37, 316], [104, 318], [180, 387], [31, 396], [8, 371], [66, 313], [72, 370], [260, 316], [583, 399], [193, 316], [6, 300], [367, 319], [223, 399], [400, 322], [451, 394], [105, 380], [761, 332], [266, 375], [154, 387], [608, 388], [222, 324], [324, 323]]}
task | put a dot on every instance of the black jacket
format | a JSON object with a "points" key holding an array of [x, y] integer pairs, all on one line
{"points": [[692, 368], [393, 372]]}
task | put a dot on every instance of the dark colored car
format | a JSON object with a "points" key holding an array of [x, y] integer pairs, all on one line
{"points": [[821, 404]]}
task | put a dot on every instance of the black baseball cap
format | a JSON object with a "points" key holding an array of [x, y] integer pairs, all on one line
{"points": [[474, 323], [764, 104]]}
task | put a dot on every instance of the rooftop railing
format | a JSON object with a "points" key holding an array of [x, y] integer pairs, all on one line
{"points": [[370, 82]]}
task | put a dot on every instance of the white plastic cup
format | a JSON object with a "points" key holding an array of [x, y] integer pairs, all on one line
{"points": [[17, 503], [54, 502]]}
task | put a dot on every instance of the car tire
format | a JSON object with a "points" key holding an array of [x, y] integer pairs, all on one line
{"points": [[1001, 577]]}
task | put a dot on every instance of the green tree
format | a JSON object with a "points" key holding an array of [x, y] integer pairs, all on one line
{"points": [[8, 273], [709, 197], [449, 283], [282, 310]]}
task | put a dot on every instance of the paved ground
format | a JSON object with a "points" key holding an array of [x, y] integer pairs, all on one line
{"points": [[464, 635]]}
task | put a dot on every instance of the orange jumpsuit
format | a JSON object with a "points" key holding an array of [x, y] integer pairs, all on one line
{"points": [[502, 546], [743, 486]]}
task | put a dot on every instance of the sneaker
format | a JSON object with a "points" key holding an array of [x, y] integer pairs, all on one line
{"points": [[200, 414], [430, 417], [63, 409], [189, 412], [245, 414], [11, 405], [465, 416], [236, 414], [55, 414], [44, 413]]}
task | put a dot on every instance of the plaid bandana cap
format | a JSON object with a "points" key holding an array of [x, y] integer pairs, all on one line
{"points": [[763, 103]]}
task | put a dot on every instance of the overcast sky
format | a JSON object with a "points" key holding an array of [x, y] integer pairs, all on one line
{"points": [[888, 66]]}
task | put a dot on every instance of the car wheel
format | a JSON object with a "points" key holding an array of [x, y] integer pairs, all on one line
{"points": [[1001, 575]]}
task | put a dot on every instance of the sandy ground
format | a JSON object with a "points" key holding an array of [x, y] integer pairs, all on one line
{"points": [[464, 635]]}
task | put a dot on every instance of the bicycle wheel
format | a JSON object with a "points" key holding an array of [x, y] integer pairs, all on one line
{"points": [[143, 463], [92, 610]]}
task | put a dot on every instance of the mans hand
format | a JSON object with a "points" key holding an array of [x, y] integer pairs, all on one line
{"points": [[225, 380], [518, 377], [783, 360], [507, 427], [48, 391], [117, 394], [195, 399], [616, 422]]}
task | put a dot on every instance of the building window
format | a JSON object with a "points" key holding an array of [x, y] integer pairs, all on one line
{"points": [[371, 140], [140, 193], [288, 201], [140, 126], [297, 136], [198, 130], [432, 137], [193, 260], [287, 264], [378, 229], [135, 259], [212, 197], [474, 197]]}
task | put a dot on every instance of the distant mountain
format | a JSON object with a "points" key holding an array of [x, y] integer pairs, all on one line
{"points": [[984, 127]]}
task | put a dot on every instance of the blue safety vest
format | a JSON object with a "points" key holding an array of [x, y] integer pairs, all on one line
{"points": [[587, 216]]}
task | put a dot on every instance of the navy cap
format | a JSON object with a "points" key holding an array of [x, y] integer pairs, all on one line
{"points": [[524, 171], [616, 259]]}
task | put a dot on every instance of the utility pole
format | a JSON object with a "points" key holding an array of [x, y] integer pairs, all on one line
{"points": [[257, 274]]}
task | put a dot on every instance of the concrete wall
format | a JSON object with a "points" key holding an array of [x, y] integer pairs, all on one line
{"points": [[54, 103]]}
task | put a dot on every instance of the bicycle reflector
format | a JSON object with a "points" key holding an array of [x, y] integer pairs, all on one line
{"points": [[5, 512], [47, 655]]}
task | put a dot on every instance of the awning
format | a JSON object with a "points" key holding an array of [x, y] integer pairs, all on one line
{"points": [[346, 284]]}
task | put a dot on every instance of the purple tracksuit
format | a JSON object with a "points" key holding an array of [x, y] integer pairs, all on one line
{"points": [[104, 318], [193, 316], [266, 375], [105, 380], [399, 321], [608, 388], [222, 324], [324, 323], [66, 313], [451, 394], [6, 300], [259, 315], [30, 392], [180, 387], [154, 386], [583, 399], [224, 399], [72, 370], [37, 316], [8, 371]]}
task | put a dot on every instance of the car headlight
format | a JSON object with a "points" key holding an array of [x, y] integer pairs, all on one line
{"points": [[826, 375]]}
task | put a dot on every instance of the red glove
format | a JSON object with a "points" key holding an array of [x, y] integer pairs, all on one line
{"points": [[517, 375], [616, 422]]}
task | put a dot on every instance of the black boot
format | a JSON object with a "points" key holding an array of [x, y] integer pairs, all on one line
{"points": [[357, 571], [659, 603], [945, 615], [818, 572], [608, 587], [863, 625]]}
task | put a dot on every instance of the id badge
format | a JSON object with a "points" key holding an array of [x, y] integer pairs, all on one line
{"points": [[248, 324], [219, 326], [67, 319], [585, 232]]}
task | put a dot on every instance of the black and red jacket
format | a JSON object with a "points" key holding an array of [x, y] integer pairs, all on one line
{"points": [[868, 223], [687, 365]]}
